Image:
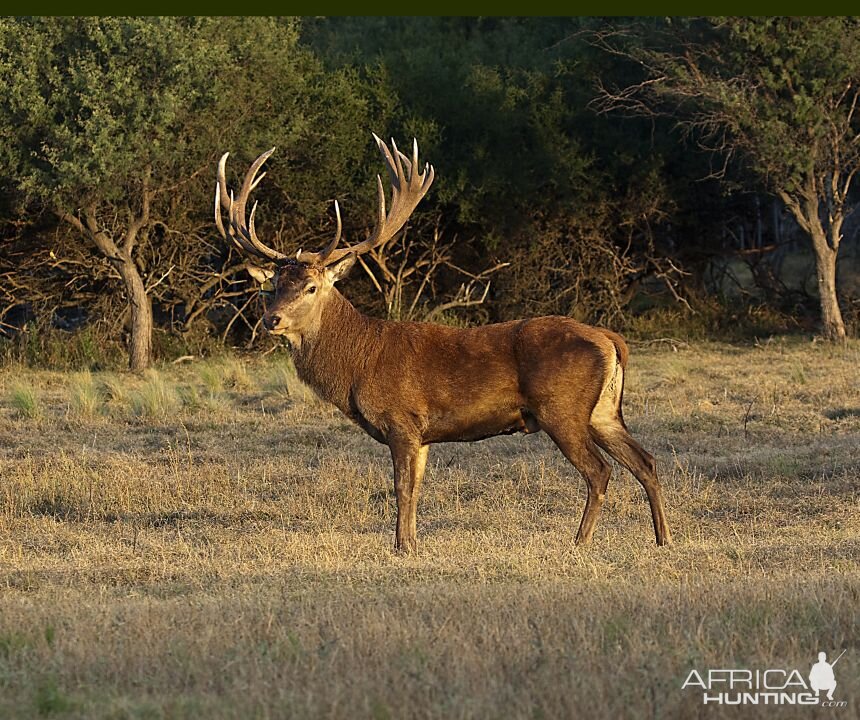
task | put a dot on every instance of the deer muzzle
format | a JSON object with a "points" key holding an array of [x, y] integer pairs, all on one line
{"points": [[271, 321]]}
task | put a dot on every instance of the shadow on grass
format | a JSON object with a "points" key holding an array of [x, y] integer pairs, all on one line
{"points": [[842, 413], [65, 511]]}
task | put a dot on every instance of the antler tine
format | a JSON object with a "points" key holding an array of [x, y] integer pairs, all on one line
{"points": [[339, 225], [221, 183], [408, 187], [407, 162], [380, 203], [225, 199], [218, 222], [248, 184], [410, 164], [389, 161], [242, 234], [401, 174], [428, 176], [252, 230], [237, 236], [319, 258], [257, 181]]}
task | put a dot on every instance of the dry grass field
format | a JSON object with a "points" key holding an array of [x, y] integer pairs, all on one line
{"points": [[210, 541]]}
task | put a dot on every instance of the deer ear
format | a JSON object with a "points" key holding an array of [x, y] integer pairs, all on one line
{"points": [[261, 275], [339, 269]]}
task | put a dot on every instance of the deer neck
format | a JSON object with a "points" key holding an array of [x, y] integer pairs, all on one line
{"points": [[331, 353]]}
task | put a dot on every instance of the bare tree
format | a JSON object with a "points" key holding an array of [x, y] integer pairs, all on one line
{"points": [[780, 94], [118, 247], [408, 272]]}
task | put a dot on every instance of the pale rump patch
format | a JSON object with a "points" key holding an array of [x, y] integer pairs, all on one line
{"points": [[605, 412]]}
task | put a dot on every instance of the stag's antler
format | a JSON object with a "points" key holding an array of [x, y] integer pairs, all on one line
{"points": [[408, 186], [241, 233]]}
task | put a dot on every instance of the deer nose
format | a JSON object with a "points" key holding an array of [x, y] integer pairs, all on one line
{"points": [[270, 322]]}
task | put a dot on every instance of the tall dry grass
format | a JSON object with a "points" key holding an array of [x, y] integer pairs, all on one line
{"points": [[231, 557], [24, 400]]}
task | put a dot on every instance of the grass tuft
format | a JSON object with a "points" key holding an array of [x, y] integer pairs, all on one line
{"points": [[86, 398], [210, 375], [114, 389], [156, 397], [24, 398], [281, 379], [236, 375]]}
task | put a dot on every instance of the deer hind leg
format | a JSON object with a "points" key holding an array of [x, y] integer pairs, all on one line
{"points": [[613, 437], [581, 451], [566, 423]]}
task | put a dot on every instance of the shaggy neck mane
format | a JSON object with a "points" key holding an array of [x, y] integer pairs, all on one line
{"points": [[339, 348]]}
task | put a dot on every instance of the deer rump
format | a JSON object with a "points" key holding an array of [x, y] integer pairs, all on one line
{"points": [[459, 385]]}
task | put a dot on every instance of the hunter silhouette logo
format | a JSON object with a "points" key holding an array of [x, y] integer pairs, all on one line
{"points": [[771, 686], [821, 675]]}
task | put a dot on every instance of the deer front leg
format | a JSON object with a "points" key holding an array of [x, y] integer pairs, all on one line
{"points": [[417, 478], [409, 458]]}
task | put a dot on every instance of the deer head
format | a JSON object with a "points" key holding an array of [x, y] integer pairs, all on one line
{"points": [[304, 283]]}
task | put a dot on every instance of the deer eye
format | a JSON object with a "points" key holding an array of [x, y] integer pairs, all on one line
{"points": [[311, 289]]}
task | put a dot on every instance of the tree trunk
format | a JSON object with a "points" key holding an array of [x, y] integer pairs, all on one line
{"points": [[833, 328], [826, 246], [121, 257], [140, 342]]}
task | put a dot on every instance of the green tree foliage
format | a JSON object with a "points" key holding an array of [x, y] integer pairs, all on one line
{"points": [[110, 130], [780, 93], [100, 119], [526, 169], [114, 125]]}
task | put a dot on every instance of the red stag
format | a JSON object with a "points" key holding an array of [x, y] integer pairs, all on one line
{"points": [[411, 384]]}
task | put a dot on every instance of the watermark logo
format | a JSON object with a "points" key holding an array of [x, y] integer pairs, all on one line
{"points": [[771, 686]]}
